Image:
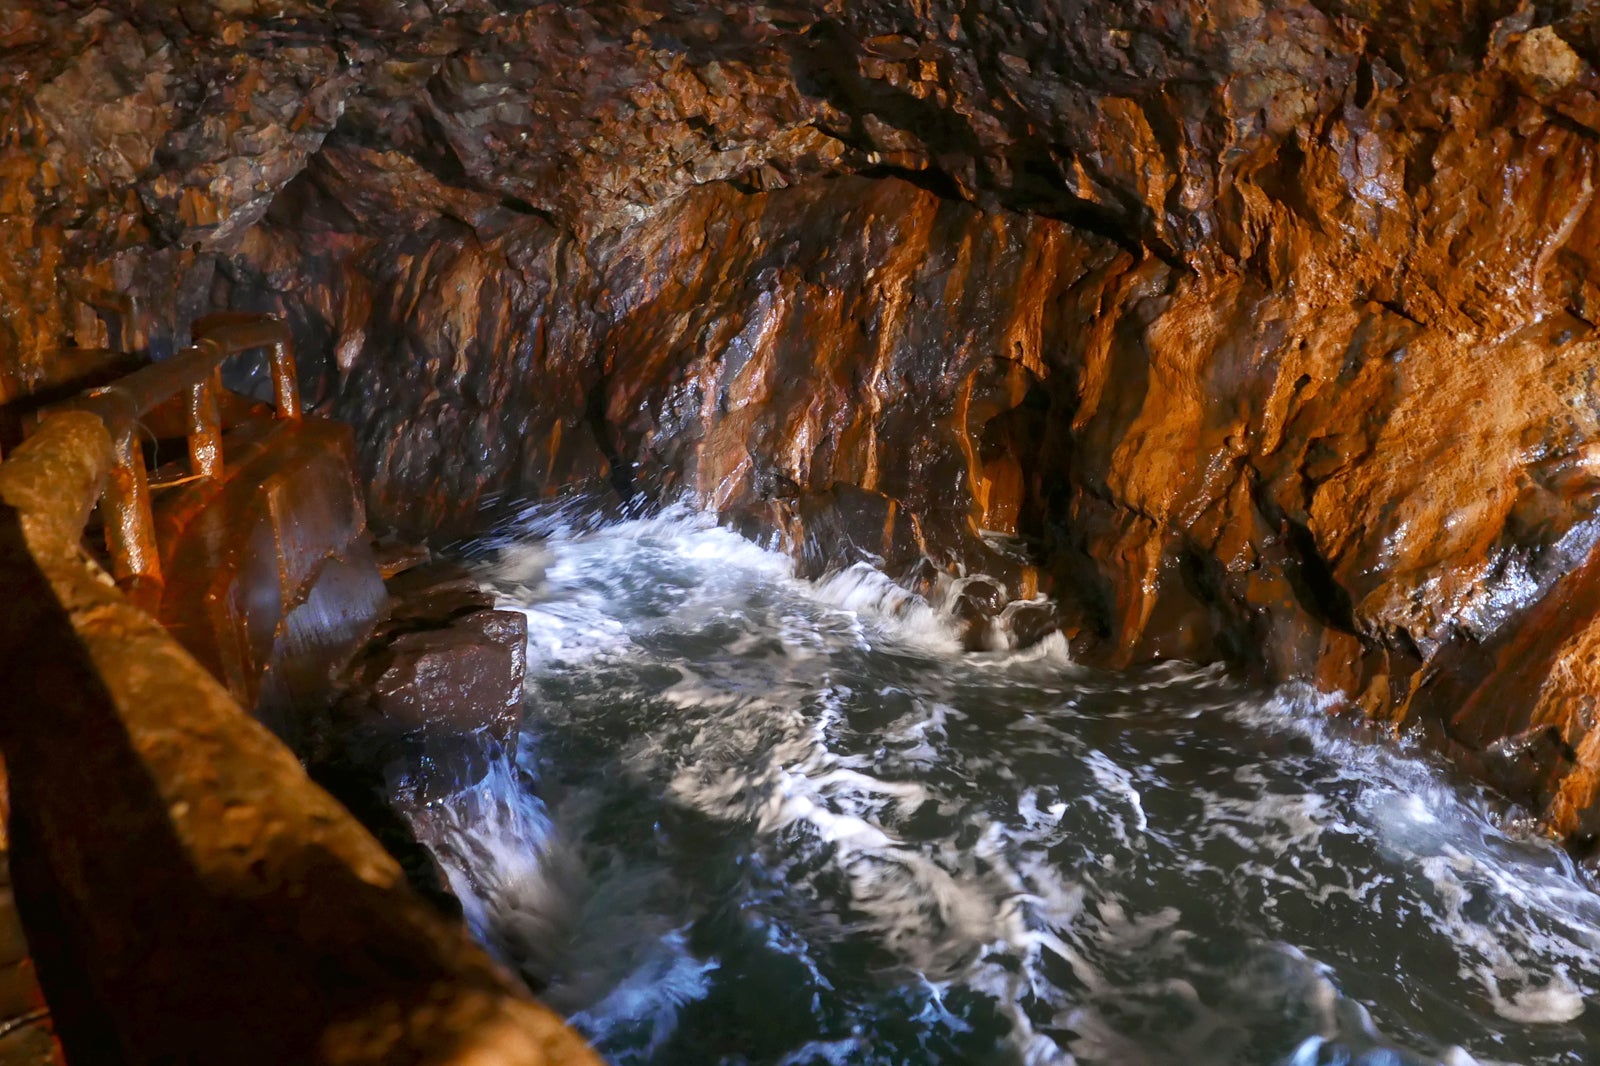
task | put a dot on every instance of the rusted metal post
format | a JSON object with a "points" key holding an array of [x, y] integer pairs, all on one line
{"points": [[285, 387], [125, 509], [130, 529], [228, 332], [205, 427], [190, 895]]}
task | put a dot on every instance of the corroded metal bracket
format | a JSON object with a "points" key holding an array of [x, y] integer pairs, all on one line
{"points": [[194, 372], [125, 506], [205, 427]]}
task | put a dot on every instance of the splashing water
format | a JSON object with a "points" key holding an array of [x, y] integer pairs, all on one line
{"points": [[759, 820]]}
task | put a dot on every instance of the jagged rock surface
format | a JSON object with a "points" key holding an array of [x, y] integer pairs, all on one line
{"points": [[1261, 333]]}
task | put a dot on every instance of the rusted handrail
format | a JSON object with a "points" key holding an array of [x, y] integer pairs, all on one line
{"points": [[196, 897], [195, 371]]}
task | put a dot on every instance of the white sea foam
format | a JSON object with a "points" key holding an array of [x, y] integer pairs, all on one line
{"points": [[1120, 884]]}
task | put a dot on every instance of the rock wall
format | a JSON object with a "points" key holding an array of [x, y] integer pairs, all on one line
{"points": [[1260, 333]]}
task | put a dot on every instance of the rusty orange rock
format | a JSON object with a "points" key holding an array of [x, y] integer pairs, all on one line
{"points": [[1254, 333]]}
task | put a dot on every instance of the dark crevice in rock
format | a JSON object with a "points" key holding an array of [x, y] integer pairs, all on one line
{"points": [[619, 470], [932, 179]]}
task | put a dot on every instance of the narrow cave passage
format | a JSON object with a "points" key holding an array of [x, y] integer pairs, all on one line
{"points": [[958, 532]]}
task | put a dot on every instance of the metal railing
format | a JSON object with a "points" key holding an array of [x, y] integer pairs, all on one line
{"points": [[191, 895], [195, 371]]}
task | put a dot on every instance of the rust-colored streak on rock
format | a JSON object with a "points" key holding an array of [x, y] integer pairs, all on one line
{"points": [[1267, 330]]}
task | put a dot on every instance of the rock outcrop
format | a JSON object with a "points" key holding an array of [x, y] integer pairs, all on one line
{"points": [[443, 661], [1261, 333]]}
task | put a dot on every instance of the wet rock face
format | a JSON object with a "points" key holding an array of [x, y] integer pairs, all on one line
{"points": [[443, 663], [1255, 332]]}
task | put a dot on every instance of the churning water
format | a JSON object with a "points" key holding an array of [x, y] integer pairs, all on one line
{"points": [[759, 820]]}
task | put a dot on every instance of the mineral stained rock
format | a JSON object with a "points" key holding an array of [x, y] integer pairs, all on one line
{"points": [[1248, 332]]}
